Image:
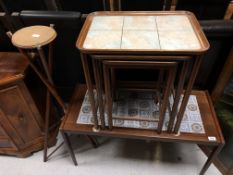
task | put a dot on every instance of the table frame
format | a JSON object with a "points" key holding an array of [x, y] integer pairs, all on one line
{"points": [[104, 62]]}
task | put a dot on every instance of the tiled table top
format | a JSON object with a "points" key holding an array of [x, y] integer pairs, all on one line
{"points": [[141, 105], [143, 32]]}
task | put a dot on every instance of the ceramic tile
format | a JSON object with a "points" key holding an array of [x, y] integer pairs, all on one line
{"points": [[103, 40], [176, 22], [107, 23], [178, 40], [140, 40], [141, 105], [139, 23], [140, 32]]}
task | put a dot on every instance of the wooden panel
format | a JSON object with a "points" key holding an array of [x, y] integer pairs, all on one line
{"points": [[2, 133], [5, 143], [4, 124], [12, 67], [18, 114]]}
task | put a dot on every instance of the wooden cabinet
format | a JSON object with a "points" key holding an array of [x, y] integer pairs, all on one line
{"points": [[21, 124]]}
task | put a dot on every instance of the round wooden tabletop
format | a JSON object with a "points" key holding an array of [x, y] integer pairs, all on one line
{"points": [[33, 36]]}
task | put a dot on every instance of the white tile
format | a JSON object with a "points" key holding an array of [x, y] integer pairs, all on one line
{"points": [[139, 23], [103, 40], [107, 23], [140, 40], [173, 22], [137, 106], [178, 40]]}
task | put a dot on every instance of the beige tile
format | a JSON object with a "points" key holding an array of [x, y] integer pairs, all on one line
{"points": [[178, 40], [107, 23], [139, 23], [103, 40], [140, 40], [175, 22]]}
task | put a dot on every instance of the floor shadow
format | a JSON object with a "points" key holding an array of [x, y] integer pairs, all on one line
{"points": [[149, 150]]}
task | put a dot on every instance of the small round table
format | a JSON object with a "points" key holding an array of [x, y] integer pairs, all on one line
{"points": [[34, 38]]}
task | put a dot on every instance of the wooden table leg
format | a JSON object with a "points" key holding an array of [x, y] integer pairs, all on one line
{"points": [[170, 81], [93, 141], [99, 82], [113, 82], [211, 157], [178, 95], [90, 89], [70, 149], [197, 63], [108, 95]]}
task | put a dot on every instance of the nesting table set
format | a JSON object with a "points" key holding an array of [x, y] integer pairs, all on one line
{"points": [[169, 43], [163, 41]]}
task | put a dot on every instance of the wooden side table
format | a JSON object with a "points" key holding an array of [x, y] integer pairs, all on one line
{"points": [[21, 124], [34, 38]]}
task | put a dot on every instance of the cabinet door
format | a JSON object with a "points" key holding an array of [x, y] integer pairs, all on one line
{"points": [[5, 141], [20, 115]]}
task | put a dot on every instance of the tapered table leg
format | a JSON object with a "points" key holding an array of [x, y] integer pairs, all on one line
{"points": [[211, 158], [90, 90], [70, 149]]}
